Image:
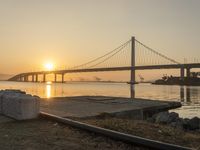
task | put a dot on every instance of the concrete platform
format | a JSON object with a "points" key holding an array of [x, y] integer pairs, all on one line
{"points": [[90, 106]]}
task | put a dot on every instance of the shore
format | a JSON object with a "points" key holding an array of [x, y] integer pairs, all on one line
{"points": [[43, 134], [145, 129], [93, 110], [39, 134], [116, 113], [121, 114]]}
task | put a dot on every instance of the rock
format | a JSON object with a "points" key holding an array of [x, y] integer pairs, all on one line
{"points": [[178, 123], [193, 124], [166, 117], [185, 123], [162, 117], [173, 117], [174, 120], [159, 131]]}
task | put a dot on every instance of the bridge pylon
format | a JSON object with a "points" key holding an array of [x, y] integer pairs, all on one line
{"points": [[132, 82]]}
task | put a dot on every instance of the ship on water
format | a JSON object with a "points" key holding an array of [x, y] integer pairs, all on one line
{"points": [[192, 80]]}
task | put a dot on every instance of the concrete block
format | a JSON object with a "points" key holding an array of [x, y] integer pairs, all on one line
{"points": [[1, 99], [20, 106], [14, 91], [5, 92]]}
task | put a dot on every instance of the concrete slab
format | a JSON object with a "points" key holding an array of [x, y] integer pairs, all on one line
{"points": [[89, 106]]}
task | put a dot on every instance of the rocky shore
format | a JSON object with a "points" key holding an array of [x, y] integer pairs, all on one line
{"points": [[156, 128], [174, 120]]}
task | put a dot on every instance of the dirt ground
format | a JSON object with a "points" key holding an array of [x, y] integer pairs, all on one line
{"points": [[149, 130], [42, 134]]}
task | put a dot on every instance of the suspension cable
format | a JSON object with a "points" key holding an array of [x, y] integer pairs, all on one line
{"points": [[154, 51], [101, 56], [109, 56]]}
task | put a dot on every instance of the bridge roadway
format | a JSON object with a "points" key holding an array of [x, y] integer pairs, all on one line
{"points": [[24, 76]]}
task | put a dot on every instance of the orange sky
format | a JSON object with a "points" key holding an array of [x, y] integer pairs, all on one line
{"points": [[72, 32]]}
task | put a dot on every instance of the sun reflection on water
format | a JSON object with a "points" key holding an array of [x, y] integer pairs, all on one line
{"points": [[48, 89]]}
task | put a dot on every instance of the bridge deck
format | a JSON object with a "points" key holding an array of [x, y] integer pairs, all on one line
{"points": [[126, 68]]}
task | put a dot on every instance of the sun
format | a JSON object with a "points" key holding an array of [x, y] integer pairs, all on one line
{"points": [[49, 66]]}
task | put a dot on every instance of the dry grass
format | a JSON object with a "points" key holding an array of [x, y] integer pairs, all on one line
{"points": [[46, 135], [149, 130]]}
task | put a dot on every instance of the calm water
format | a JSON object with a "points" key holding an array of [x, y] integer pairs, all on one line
{"points": [[190, 95]]}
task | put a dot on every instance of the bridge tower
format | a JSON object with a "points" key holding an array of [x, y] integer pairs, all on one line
{"points": [[132, 82], [63, 77], [55, 77], [36, 78], [182, 73], [188, 72], [33, 78], [44, 77]]}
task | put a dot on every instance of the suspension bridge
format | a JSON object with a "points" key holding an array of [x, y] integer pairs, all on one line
{"points": [[130, 56]]}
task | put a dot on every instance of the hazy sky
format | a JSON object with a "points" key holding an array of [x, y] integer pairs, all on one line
{"points": [[70, 32]]}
